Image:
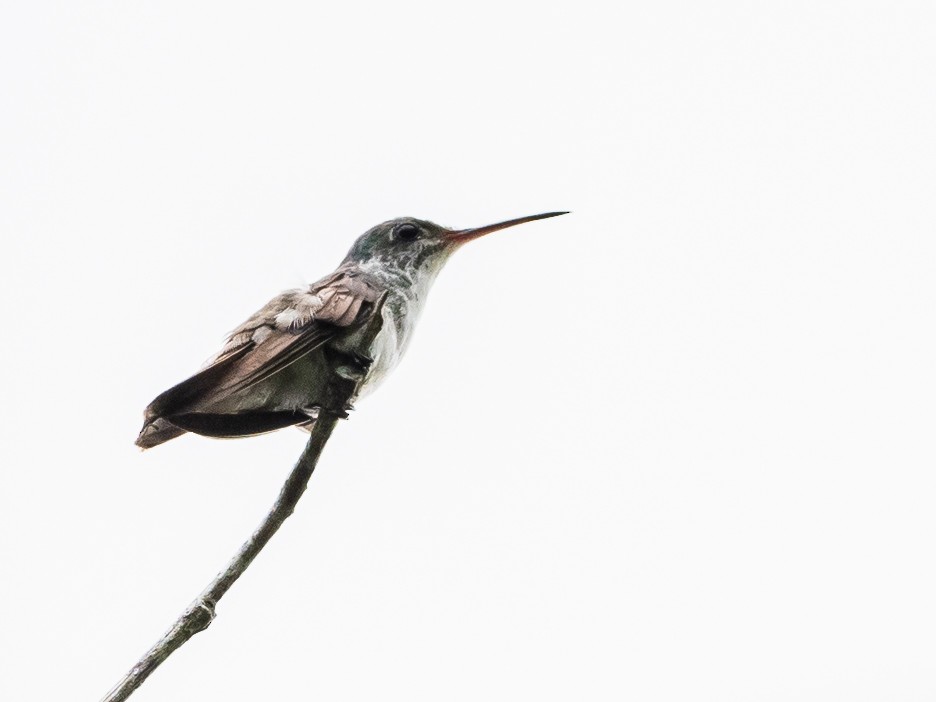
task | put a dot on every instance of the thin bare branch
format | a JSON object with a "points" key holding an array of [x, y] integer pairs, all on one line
{"points": [[198, 616]]}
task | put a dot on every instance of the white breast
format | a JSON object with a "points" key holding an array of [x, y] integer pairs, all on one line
{"points": [[401, 312]]}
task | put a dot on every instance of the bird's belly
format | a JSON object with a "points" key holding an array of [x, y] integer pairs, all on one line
{"points": [[400, 314]]}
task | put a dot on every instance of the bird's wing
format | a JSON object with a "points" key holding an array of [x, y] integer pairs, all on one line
{"points": [[287, 328]]}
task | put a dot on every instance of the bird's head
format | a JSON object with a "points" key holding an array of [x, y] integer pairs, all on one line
{"points": [[419, 248]]}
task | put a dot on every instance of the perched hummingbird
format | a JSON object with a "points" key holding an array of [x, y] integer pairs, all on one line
{"points": [[273, 369]]}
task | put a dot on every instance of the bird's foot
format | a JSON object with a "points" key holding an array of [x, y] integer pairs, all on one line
{"points": [[341, 414], [317, 411]]}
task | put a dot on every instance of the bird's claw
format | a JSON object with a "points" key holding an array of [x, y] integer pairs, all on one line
{"points": [[339, 413]]}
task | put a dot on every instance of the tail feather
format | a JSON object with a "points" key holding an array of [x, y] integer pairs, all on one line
{"points": [[156, 432]]}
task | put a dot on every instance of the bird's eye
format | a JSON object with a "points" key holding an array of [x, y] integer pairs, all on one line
{"points": [[406, 232]]}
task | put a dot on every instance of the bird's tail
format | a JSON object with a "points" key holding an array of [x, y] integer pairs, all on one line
{"points": [[156, 432]]}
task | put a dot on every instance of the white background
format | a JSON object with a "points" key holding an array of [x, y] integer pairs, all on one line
{"points": [[677, 445]]}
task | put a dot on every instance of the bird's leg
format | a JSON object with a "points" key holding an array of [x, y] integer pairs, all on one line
{"points": [[349, 366], [361, 364]]}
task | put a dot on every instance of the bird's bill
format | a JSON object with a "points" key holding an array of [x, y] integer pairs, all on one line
{"points": [[464, 235]]}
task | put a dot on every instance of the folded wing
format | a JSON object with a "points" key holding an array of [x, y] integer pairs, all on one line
{"points": [[286, 330]]}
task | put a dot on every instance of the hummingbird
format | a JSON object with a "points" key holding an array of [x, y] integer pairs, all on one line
{"points": [[273, 369]]}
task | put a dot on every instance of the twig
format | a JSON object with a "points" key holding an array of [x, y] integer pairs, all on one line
{"points": [[342, 388]]}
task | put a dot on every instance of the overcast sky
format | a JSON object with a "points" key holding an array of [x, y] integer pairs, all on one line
{"points": [[677, 445]]}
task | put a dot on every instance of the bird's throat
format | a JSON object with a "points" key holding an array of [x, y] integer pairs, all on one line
{"points": [[407, 294]]}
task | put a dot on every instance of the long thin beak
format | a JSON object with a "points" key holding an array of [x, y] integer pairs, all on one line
{"points": [[464, 235]]}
